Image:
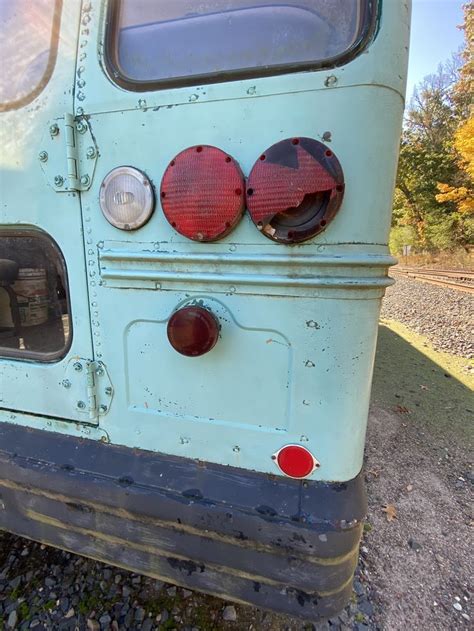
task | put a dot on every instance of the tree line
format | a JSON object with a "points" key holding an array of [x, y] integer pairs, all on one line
{"points": [[434, 203]]}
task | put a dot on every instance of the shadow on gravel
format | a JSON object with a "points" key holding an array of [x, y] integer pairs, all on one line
{"points": [[419, 446], [410, 383]]}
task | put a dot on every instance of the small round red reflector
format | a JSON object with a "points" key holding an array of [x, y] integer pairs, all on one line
{"points": [[202, 193], [294, 190], [296, 461], [193, 331]]}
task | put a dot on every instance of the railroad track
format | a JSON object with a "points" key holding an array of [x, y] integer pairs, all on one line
{"points": [[460, 279]]}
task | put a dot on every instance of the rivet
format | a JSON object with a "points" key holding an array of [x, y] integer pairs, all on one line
{"points": [[66, 383], [85, 180], [90, 153], [81, 127], [58, 180], [108, 391], [77, 366], [43, 156], [236, 449], [99, 371], [81, 405], [103, 409], [54, 130]]}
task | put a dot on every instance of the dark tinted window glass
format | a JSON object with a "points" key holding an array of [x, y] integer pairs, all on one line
{"points": [[34, 304], [163, 40], [27, 40]]}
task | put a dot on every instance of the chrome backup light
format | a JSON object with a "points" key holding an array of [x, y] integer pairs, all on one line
{"points": [[126, 198]]}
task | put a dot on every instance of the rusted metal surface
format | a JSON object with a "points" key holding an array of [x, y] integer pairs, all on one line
{"points": [[276, 543]]}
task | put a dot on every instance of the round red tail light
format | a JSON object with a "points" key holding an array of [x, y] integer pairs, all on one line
{"points": [[295, 461], [193, 331], [294, 190], [203, 193]]}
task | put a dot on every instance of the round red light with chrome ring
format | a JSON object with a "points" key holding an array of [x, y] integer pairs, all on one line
{"points": [[203, 193], [193, 331], [294, 190], [295, 461]]}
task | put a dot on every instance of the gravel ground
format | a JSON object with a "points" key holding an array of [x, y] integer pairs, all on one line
{"points": [[443, 315]]}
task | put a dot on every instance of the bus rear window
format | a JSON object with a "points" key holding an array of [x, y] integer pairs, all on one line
{"points": [[28, 46], [185, 41]]}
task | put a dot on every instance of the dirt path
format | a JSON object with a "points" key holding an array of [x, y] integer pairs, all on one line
{"points": [[419, 459]]}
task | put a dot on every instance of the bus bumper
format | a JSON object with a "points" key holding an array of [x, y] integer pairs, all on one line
{"points": [[269, 541]]}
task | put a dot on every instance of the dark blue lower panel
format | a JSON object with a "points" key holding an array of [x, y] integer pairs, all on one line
{"points": [[269, 541]]}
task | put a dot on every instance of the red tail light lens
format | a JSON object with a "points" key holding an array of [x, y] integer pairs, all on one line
{"points": [[295, 461], [193, 331], [203, 193], [294, 190]]}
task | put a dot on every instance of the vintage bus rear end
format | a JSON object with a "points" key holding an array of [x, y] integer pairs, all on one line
{"points": [[195, 207]]}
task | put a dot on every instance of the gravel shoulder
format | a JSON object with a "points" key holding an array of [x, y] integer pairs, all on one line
{"points": [[443, 315], [415, 571]]}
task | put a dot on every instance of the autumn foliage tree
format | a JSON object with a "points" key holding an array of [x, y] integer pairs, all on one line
{"points": [[434, 207]]}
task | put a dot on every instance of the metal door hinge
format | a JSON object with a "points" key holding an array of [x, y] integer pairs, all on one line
{"points": [[68, 154], [90, 388]]}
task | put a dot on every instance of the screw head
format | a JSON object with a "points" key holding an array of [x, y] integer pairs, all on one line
{"points": [[43, 156], [103, 409], [58, 180], [81, 127], [99, 371], [77, 366], [66, 383], [90, 153], [81, 405], [54, 129], [108, 391], [85, 180]]}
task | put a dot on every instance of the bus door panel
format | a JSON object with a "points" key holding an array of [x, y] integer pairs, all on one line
{"points": [[45, 333]]}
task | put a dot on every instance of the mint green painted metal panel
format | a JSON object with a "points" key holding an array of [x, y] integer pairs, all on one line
{"points": [[299, 323], [27, 201]]}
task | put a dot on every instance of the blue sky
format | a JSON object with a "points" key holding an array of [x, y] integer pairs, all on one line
{"points": [[434, 36]]}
